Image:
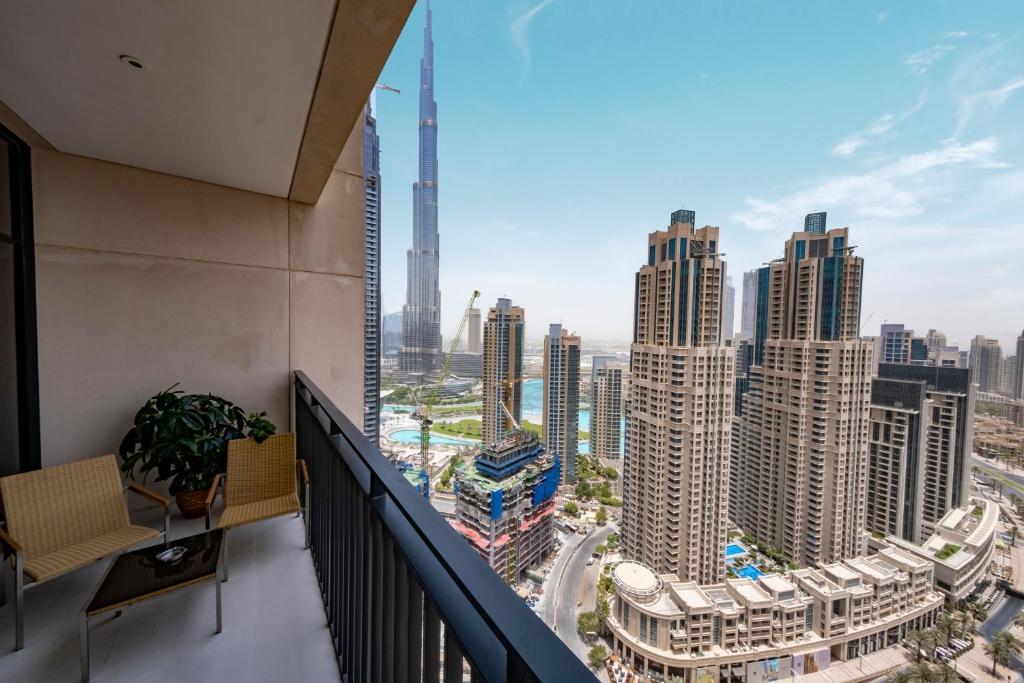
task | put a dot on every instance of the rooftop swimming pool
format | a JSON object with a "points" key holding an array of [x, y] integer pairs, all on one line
{"points": [[734, 550], [751, 572]]}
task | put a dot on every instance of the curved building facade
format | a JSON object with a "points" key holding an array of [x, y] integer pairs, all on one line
{"points": [[778, 626]]}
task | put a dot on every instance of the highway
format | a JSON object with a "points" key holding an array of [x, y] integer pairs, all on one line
{"points": [[558, 605]]}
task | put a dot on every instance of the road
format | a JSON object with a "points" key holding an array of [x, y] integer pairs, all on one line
{"points": [[1000, 619], [558, 606]]}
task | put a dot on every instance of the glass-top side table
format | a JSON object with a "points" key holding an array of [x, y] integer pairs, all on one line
{"points": [[138, 576]]}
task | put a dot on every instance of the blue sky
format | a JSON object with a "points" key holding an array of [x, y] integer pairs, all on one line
{"points": [[569, 129]]}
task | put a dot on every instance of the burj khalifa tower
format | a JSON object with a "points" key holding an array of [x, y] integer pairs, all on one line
{"points": [[420, 353]]}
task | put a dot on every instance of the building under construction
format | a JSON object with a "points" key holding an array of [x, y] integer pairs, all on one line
{"points": [[506, 502]]}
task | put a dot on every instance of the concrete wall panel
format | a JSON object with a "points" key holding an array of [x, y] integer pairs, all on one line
{"points": [[115, 329], [93, 204]]}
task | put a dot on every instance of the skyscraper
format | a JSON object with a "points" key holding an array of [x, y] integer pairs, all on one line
{"points": [[473, 333], [804, 427], [371, 277], [895, 343], [421, 319], [729, 316], [391, 333], [561, 412], [921, 434], [675, 483], [606, 375], [814, 223], [503, 370], [749, 304], [986, 360], [1018, 382]]}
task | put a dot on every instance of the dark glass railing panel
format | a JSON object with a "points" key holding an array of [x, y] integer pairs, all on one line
{"points": [[406, 598]]}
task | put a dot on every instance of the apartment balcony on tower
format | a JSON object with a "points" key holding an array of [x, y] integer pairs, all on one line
{"points": [[182, 294]]}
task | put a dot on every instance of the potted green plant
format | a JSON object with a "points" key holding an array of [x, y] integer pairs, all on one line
{"points": [[183, 438]]}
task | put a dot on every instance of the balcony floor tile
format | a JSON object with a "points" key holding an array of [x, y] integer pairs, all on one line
{"points": [[274, 623]]}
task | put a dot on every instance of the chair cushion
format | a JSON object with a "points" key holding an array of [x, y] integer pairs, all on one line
{"points": [[81, 554], [236, 515]]}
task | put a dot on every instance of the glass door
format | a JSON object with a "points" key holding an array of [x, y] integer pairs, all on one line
{"points": [[19, 384]]}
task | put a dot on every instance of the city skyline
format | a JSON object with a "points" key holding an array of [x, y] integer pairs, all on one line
{"points": [[905, 167]]}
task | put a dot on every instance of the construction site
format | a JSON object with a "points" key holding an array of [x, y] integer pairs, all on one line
{"points": [[506, 502]]}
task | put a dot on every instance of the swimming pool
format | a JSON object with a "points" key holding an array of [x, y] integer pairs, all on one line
{"points": [[750, 572], [412, 436], [734, 550]]}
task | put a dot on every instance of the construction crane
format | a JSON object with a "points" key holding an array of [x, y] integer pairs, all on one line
{"points": [[422, 414]]}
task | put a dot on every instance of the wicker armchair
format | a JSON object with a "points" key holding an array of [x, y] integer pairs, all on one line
{"points": [[260, 483], [62, 518]]}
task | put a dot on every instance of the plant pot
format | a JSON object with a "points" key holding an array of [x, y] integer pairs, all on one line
{"points": [[191, 503]]}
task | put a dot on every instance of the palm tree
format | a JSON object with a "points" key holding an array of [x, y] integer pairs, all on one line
{"points": [[945, 625], [1019, 619], [944, 673], [915, 640], [998, 652], [1013, 535], [1012, 643], [967, 624], [898, 676], [921, 672]]}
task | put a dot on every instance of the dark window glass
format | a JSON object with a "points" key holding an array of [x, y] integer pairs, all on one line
{"points": [[19, 412]]}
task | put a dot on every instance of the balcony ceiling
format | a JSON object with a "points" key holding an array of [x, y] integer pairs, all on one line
{"points": [[224, 95]]}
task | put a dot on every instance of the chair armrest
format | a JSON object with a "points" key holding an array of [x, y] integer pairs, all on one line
{"points": [[6, 539], [304, 471], [211, 495], [152, 495]]}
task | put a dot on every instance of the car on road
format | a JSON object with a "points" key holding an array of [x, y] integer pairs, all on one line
{"points": [[590, 561]]}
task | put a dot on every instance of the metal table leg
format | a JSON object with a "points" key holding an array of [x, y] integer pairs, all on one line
{"points": [[218, 582], [84, 645]]}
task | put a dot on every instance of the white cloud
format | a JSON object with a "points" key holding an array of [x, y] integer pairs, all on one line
{"points": [[920, 62], [880, 126], [519, 27], [989, 100], [955, 34], [882, 16], [897, 189]]}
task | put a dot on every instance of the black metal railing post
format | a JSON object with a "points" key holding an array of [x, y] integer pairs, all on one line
{"points": [[406, 597]]}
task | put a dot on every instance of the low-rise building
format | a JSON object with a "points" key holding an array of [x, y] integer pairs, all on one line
{"points": [[778, 626], [960, 549]]}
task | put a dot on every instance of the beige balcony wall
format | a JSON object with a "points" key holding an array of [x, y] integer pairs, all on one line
{"points": [[144, 280]]}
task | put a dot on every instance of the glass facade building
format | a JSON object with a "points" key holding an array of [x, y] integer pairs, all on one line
{"points": [[421, 319]]}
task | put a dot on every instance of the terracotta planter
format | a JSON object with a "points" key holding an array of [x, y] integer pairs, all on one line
{"points": [[191, 503]]}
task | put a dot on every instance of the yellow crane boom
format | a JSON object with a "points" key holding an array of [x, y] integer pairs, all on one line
{"points": [[423, 414]]}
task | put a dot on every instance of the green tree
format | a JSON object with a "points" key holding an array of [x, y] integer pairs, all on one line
{"points": [[602, 516], [571, 508], [921, 672], [583, 490], [588, 622], [898, 676], [966, 624], [603, 608], [605, 584], [999, 654], [597, 655], [611, 473], [944, 673], [601, 549], [917, 641], [945, 626]]}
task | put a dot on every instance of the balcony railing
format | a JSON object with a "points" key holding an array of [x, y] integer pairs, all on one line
{"points": [[406, 598]]}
